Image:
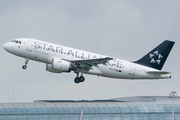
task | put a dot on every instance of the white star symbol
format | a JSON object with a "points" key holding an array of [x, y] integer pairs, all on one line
{"points": [[156, 53]]}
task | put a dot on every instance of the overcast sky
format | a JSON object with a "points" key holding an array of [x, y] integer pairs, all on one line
{"points": [[123, 29]]}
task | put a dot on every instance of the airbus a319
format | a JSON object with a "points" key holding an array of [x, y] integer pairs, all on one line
{"points": [[60, 59]]}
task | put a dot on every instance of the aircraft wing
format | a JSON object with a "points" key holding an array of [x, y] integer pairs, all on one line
{"points": [[90, 62]]}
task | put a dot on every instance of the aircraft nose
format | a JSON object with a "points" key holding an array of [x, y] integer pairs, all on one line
{"points": [[5, 46]]}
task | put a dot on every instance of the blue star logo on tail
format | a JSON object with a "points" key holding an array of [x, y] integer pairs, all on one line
{"points": [[155, 57]]}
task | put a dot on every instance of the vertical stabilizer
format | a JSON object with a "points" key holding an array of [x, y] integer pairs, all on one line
{"points": [[157, 57]]}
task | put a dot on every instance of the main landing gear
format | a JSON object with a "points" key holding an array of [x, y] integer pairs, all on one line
{"points": [[26, 62], [79, 79]]}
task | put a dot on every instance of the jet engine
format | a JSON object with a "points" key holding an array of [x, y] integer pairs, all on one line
{"points": [[59, 66], [50, 69]]}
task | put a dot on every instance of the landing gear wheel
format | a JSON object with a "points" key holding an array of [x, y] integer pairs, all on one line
{"points": [[76, 80], [81, 79], [26, 62], [24, 67]]}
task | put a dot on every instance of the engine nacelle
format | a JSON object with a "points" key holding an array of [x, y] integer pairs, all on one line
{"points": [[50, 69], [61, 65]]}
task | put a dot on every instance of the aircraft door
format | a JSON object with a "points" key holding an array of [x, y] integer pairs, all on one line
{"points": [[30, 45], [132, 70], [33, 53]]}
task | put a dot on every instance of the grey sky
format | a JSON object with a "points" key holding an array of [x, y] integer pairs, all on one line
{"points": [[120, 28]]}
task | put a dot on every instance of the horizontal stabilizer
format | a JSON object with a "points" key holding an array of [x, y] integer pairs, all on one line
{"points": [[158, 72]]}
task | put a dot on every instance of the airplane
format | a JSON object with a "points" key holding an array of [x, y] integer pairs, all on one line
{"points": [[60, 59]]}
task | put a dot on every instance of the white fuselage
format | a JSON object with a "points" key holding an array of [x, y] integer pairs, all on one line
{"points": [[44, 52]]}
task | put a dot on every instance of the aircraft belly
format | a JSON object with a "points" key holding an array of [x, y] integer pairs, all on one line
{"points": [[95, 71], [112, 72], [125, 73]]}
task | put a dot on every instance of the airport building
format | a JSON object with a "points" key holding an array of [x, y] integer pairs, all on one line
{"points": [[124, 108]]}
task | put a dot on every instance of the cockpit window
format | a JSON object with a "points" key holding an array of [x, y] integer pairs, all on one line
{"points": [[16, 41]]}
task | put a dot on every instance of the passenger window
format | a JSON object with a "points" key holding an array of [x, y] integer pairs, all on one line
{"points": [[19, 42]]}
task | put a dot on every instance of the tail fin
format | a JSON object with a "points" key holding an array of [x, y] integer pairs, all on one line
{"points": [[81, 117], [157, 57]]}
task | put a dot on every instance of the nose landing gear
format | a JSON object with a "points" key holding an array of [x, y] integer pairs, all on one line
{"points": [[24, 67], [26, 62], [79, 79]]}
